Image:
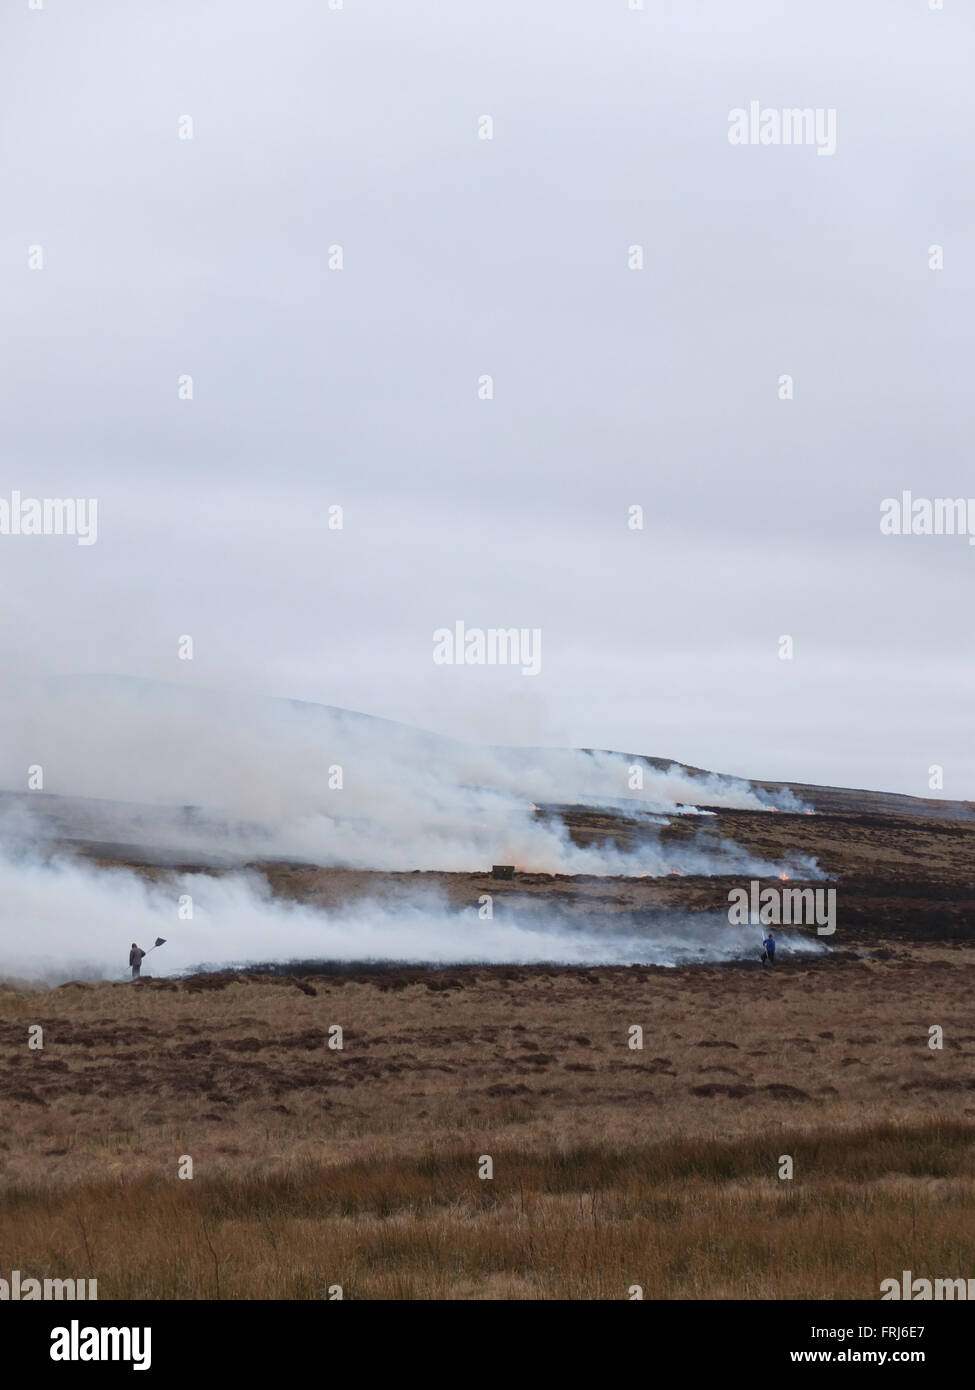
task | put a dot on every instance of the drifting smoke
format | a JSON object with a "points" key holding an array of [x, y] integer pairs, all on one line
{"points": [[226, 778], [81, 920], [198, 778]]}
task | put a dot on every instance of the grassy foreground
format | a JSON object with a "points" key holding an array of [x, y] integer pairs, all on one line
{"points": [[612, 1166], [682, 1219]]}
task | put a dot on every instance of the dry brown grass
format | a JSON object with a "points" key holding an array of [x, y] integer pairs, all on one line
{"points": [[688, 1219], [612, 1167]]}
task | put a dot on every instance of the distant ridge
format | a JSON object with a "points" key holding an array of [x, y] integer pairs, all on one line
{"points": [[838, 800], [823, 799]]}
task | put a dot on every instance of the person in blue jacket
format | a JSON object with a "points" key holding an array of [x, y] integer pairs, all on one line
{"points": [[768, 954]]}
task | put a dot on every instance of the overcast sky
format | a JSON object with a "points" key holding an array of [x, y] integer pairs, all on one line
{"points": [[462, 256]]}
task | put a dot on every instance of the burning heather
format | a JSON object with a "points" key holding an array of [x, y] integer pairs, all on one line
{"points": [[169, 780], [223, 779]]}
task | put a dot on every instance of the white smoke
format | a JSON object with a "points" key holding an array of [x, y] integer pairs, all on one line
{"points": [[63, 920], [230, 776]]}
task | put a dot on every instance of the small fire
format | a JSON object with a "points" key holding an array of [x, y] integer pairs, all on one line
{"points": [[676, 873], [784, 878]]}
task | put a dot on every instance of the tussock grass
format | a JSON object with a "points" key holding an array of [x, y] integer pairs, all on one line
{"points": [[612, 1167], [687, 1218]]}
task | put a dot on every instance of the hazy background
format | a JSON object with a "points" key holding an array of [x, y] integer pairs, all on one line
{"points": [[358, 127]]}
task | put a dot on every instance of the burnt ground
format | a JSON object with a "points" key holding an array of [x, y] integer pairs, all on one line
{"points": [[903, 867], [899, 878]]}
